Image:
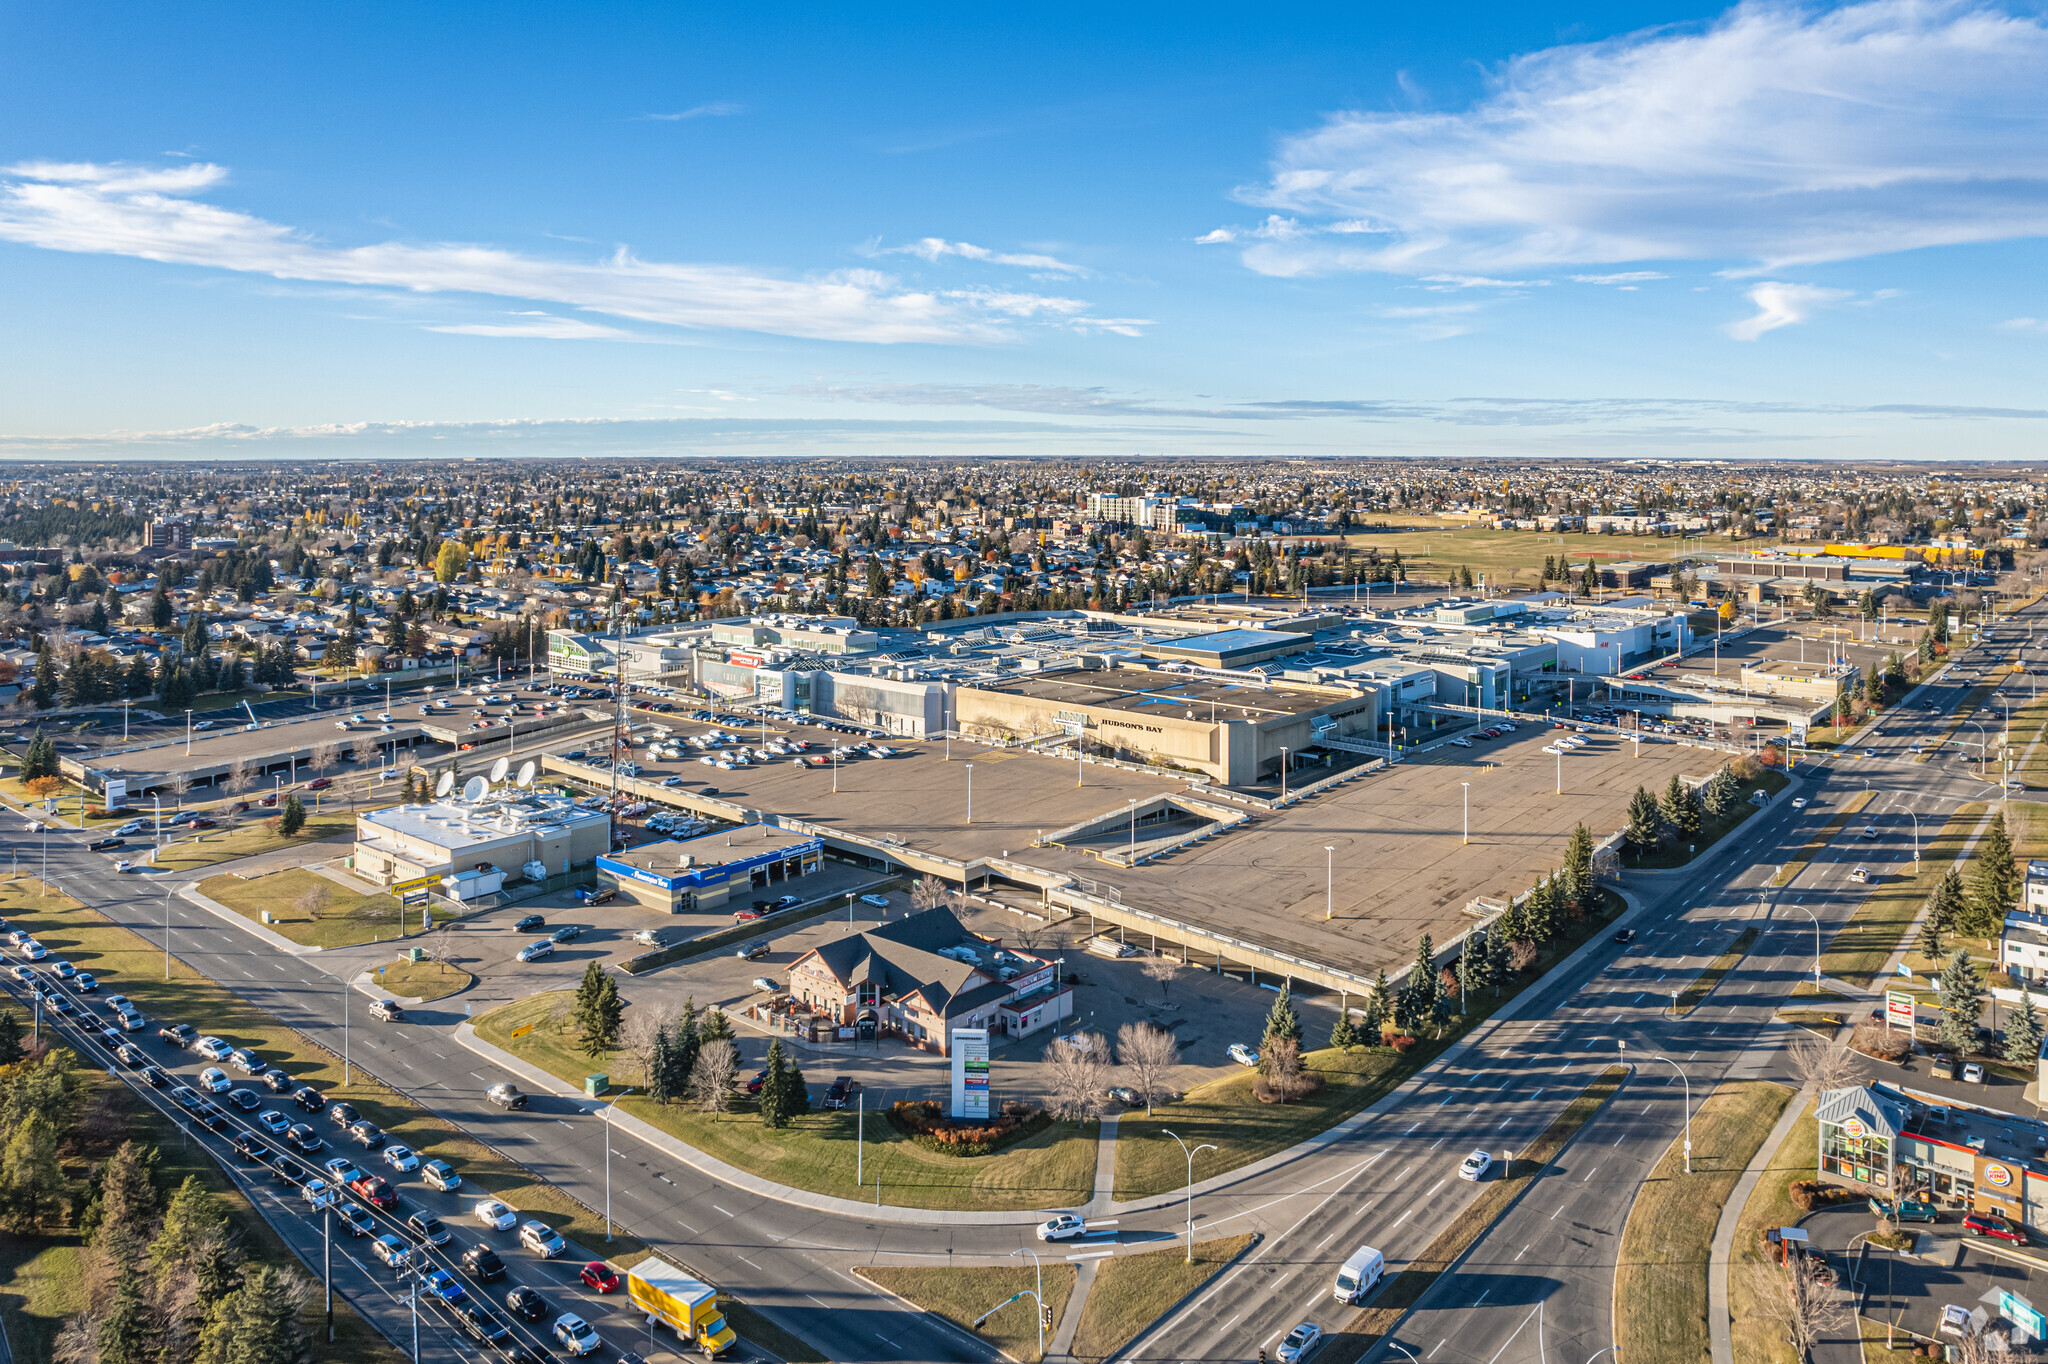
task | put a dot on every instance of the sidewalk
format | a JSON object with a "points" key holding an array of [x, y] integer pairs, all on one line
{"points": [[1719, 1338], [190, 894]]}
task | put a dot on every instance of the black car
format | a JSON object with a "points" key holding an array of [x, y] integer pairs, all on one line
{"points": [[1626, 935], [176, 1034], [481, 1324], [342, 1114], [214, 1116], [532, 923], [156, 1078], [184, 1096], [244, 1099], [249, 1148], [566, 933], [527, 1304], [276, 1081], [287, 1170], [482, 1263], [106, 844], [307, 1099], [304, 1138], [366, 1134], [130, 1056]]}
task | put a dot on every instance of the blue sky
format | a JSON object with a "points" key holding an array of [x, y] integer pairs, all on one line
{"points": [[1389, 230]]}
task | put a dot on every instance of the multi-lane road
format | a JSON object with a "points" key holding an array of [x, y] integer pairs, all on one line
{"points": [[1391, 1182]]}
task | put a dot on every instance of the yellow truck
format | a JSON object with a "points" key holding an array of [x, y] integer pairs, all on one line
{"points": [[689, 1306]]}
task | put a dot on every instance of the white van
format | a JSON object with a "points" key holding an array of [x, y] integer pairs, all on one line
{"points": [[1110, 947], [1360, 1275]]}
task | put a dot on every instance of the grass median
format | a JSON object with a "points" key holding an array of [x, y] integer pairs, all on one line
{"points": [[1660, 1279], [422, 981], [1131, 1292], [211, 847], [1401, 1292], [1819, 842], [1700, 986], [1227, 1114], [819, 1151], [308, 908], [1756, 1337], [961, 1294], [134, 966], [1860, 952]]}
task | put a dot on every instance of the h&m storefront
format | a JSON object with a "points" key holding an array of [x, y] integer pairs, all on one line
{"points": [[1893, 1147]]}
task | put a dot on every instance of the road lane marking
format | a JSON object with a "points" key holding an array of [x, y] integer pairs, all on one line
{"points": [[1590, 1173]]}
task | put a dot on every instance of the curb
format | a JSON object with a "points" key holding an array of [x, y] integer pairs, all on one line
{"points": [[927, 1312], [190, 894], [1720, 1251], [1258, 1239]]}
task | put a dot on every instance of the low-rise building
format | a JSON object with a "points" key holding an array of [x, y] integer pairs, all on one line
{"points": [[504, 834], [1889, 1141], [713, 871], [924, 977]]}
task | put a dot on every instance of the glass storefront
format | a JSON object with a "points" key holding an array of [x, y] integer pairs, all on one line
{"points": [[1857, 1153]]}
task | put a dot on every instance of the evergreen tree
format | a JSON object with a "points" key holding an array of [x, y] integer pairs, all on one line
{"points": [[1937, 621], [683, 1045], [1680, 807], [1343, 1036], [41, 758], [137, 682], [1421, 987], [97, 622], [1645, 822], [2023, 1031], [124, 1199], [714, 1027], [1961, 991], [1512, 925], [1578, 865], [661, 1067], [126, 1334], [292, 817], [774, 1088], [1281, 1023], [1718, 796], [10, 1037], [1496, 962], [257, 1323], [1539, 912], [31, 1181], [796, 1093], [1945, 908], [161, 615], [1375, 1009], [42, 692], [1994, 892], [1928, 941]]}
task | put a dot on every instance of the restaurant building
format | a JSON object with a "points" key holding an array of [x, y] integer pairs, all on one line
{"points": [[1891, 1141]]}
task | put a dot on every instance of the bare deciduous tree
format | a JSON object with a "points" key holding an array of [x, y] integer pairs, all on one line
{"points": [[1076, 1074], [1161, 969], [643, 1025], [711, 1078], [241, 774], [1821, 1066], [1280, 1074], [1146, 1053], [1806, 1309], [326, 754], [930, 893]]}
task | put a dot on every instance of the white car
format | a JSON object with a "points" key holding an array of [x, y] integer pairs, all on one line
{"points": [[1973, 1074], [1065, 1227], [534, 951], [439, 1174], [576, 1335], [318, 1193], [212, 1048], [401, 1158], [495, 1215], [1553, 750], [1243, 1055], [1461, 743], [767, 984], [1799, 802], [214, 1080], [1869, 831], [34, 950], [391, 1250], [1475, 1166], [1301, 1342], [542, 1239]]}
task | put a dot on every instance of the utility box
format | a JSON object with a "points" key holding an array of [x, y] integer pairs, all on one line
{"points": [[415, 954], [594, 1085]]}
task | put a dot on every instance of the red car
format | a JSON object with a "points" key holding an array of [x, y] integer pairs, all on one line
{"points": [[319, 783], [374, 1190], [201, 823], [600, 1276], [1991, 1224], [743, 916], [268, 800]]}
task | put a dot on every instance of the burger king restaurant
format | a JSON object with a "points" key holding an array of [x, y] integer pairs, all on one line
{"points": [[1891, 1141]]}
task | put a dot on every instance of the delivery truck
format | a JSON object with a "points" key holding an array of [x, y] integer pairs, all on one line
{"points": [[688, 1306]]}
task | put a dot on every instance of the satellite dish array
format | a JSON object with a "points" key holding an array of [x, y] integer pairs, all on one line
{"points": [[476, 788]]}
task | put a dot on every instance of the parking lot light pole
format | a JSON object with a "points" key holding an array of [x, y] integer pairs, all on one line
{"points": [[188, 731], [1205, 1146], [970, 792], [1329, 885], [1468, 809]]}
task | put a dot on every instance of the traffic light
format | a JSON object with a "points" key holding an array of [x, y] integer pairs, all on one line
{"points": [[1048, 1317], [1262, 1357]]}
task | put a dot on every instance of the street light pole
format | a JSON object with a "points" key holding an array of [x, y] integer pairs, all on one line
{"points": [[1039, 1295], [1688, 1109], [167, 932], [1816, 945], [1205, 1146]]}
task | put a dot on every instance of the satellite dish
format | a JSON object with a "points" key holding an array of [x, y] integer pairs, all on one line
{"points": [[473, 790], [498, 770], [443, 786], [526, 771]]}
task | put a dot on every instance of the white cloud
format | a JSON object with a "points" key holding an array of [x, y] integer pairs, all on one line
{"points": [[1782, 305], [2024, 324], [1481, 282], [1625, 279], [545, 329], [1777, 135], [1216, 237], [148, 213], [935, 248], [716, 109]]}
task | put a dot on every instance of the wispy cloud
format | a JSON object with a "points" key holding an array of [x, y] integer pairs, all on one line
{"points": [[149, 213], [716, 109], [2025, 324], [938, 248], [543, 328], [1625, 278], [1782, 305], [1781, 134], [1481, 282]]}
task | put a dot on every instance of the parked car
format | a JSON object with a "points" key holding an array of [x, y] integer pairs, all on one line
{"points": [[532, 923], [1244, 1055], [566, 933], [1992, 1225], [841, 1092], [1905, 1210], [595, 895], [1973, 1074], [534, 951], [1943, 1068], [754, 950]]}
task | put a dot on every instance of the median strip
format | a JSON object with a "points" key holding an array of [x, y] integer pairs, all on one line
{"points": [[1790, 871], [1403, 1292], [1703, 984]]}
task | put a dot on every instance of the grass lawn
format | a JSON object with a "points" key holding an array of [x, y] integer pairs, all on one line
{"points": [[1660, 1280], [135, 966], [1431, 547], [422, 980], [1226, 1113], [962, 1294], [1755, 1338], [1702, 985], [307, 907], [1712, 830], [1133, 1291], [1819, 842], [1858, 954], [1371, 1323], [1053, 1168], [211, 846], [39, 1287]]}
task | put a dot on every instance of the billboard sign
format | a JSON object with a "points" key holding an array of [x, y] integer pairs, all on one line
{"points": [[970, 1073], [2023, 1314], [117, 793], [1898, 1009]]}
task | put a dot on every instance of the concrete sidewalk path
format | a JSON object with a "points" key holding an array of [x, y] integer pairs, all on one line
{"points": [[1719, 1339]]}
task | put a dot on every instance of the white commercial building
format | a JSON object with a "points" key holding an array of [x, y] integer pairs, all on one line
{"points": [[501, 834]]}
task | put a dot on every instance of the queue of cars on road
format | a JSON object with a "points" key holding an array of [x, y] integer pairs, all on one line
{"points": [[366, 1203]]}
